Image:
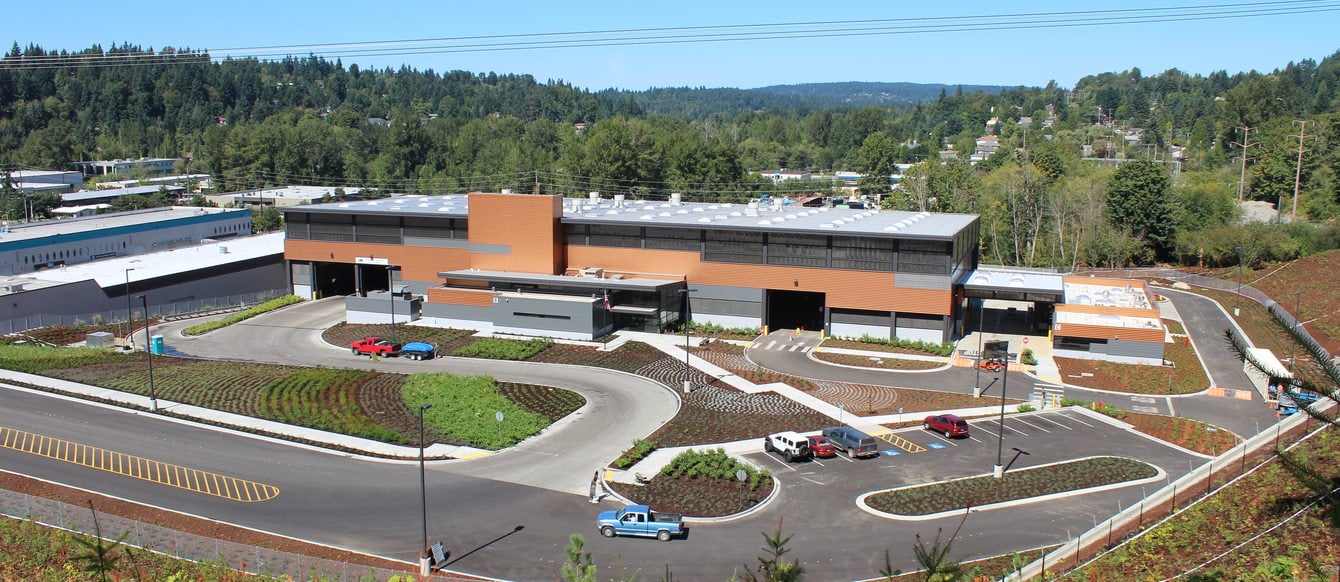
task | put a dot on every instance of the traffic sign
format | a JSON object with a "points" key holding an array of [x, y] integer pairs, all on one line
{"points": [[1025, 340]]}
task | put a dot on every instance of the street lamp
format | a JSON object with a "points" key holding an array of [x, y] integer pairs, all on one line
{"points": [[1000, 351], [1297, 319], [688, 371], [390, 291], [1239, 299], [424, 564], [981, 333], [149, 355], [130, 319]]}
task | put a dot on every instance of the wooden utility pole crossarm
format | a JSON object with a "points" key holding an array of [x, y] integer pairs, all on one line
{"points": [[1242, 178]]}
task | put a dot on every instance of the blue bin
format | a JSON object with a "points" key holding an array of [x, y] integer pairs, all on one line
{"points": [[156, 345]]}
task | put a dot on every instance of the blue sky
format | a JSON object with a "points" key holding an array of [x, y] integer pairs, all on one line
{"points": [[1032, 55]]}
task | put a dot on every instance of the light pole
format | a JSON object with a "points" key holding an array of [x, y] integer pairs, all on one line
{"points": [[1000, 352], [1239, 299], [981, 332], [390, 291], [149, 355], [130, 319], [688, 370], [425, 566], [1297, 319]]}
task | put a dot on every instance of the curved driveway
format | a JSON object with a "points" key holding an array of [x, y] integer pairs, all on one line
{"points": [[506, 515], [620, 407]]}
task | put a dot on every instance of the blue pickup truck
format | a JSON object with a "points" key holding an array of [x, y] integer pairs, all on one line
{"points": [[640, 520]]}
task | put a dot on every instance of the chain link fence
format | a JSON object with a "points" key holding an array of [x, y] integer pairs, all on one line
{"points": [[178, 544], [163, 311]]}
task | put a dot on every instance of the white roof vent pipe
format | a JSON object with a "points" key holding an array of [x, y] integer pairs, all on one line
{"points": [[618, 200], [675, 198], [752, 210], [777, 204], [595, 198]]}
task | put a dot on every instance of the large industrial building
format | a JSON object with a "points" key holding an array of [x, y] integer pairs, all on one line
{"points": [[581, 268], [584, 267]]}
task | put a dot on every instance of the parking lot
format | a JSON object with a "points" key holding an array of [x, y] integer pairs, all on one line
{"points": [[1034, 438]]}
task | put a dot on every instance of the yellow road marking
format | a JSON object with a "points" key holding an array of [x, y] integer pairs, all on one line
{"points": [[137, 467], [899, 442]]}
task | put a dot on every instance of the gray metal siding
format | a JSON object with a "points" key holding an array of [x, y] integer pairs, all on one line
{"points": [[564, 316], [491, 249], [1132, 349], [725, 307], [462, 312], [723, 292], [920, 281], [418, 241], [881, 318]]}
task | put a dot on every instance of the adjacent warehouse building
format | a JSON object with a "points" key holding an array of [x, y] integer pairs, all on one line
{"points": [[54, 243]]}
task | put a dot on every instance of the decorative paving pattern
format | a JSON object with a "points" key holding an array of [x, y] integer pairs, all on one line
{"points": [[734, 401], [855, 396]]}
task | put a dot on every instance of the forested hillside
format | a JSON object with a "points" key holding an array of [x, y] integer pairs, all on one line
{"points": [[1051, 194]]}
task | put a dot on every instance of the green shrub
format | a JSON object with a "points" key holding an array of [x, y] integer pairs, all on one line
{"points": [[1027, 358], [1026, 408], [940, 349], [502, 349], [1100, 407], [713, 464], [266, 307], [641, 448], [465, 407]]}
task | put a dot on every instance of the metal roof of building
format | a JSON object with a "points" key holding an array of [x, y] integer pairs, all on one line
{"points": [[731, 216], [112, 272], [113, 193], [1017, 280], [66, 226]]}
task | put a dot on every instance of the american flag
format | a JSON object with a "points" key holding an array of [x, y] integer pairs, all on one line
{"points": [[607, 300]]}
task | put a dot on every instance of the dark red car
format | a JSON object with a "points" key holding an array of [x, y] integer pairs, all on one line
{"points": [[821, 448], [949, 425]]}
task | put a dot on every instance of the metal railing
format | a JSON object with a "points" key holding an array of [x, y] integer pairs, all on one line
{"points": [[162, 311], [187, 546]]}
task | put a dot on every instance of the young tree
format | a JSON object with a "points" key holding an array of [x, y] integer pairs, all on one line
{"points": [[1139, 201], [773, 566]]}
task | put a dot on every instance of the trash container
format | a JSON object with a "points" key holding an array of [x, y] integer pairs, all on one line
{"points": [[156, 345]]}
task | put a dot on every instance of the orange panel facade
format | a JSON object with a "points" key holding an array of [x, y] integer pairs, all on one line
{"points": [[475, 298], [416, 263], [522, 233], [843, 289], [1137, 334]]}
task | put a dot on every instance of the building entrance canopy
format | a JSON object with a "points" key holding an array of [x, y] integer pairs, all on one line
{"points": [[1014, 285]]}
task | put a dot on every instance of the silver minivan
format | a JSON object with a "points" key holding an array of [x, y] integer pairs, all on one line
{"points": [[851, 441]]}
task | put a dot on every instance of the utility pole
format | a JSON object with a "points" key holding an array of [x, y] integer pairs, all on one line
{"points": [[1242, 178], [1298, 173]]}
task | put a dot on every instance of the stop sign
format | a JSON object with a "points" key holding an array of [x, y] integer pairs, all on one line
{"points": [[1025, 340]]}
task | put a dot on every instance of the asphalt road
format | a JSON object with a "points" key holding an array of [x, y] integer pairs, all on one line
{"points": [[510, 515]]}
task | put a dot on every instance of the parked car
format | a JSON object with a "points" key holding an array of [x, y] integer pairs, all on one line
{"points": [[853, 442], [640, 520], [418, 351], [821, 448], [949, 425], [374, 346], [790, 444]]}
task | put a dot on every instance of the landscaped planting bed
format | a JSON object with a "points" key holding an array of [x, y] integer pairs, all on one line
{"points": [[266, 307], [1016, 484], [64, 335], [1187, 433], [35, 359], [1228, 522], [891, 346], [545, 401], [446, 340], [871, 362], [501, 349], [701, 484], [1187, 375], [628, 357], [465, 407]]}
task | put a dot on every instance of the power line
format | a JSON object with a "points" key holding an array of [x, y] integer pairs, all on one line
{"points": [[698, 34]]}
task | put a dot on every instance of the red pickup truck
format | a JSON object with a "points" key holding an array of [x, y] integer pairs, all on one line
{"points": [[373, 345]]}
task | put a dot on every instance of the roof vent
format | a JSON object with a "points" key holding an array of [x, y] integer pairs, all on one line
{"points": [[705, 219], [675, 198], [645, 217], [752, 210]]}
